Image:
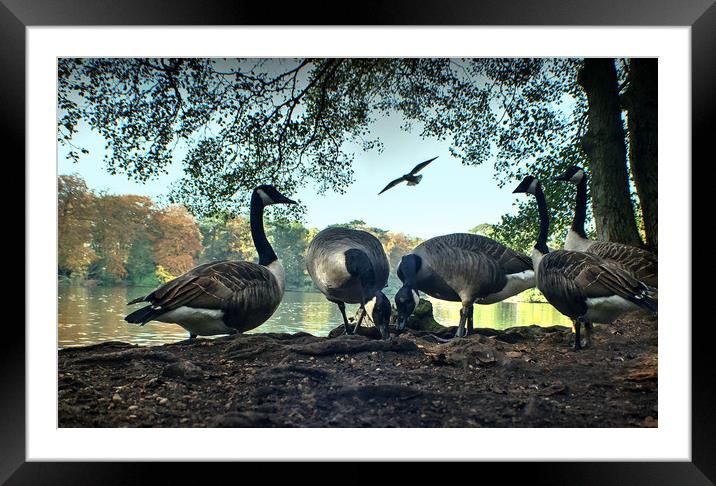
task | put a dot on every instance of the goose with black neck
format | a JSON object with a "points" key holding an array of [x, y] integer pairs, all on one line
{"points": [[223, 297], [461, 267], [583, 286], [642, 263]]}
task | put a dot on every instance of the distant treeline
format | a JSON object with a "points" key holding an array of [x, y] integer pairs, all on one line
{"points": [[129, 240]]}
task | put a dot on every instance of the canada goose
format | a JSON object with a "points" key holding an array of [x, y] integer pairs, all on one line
{"points": [[641, 262], [223, 297], [462, 268], [582, 286], [411, 178], [350, 267]]}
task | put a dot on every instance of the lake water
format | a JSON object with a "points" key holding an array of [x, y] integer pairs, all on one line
{"points": [[90, 315]]}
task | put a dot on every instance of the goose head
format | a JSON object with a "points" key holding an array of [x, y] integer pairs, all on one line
{"points": [[528, 185], [269, 195], [405, 302], [574, 174], [379, 311]]}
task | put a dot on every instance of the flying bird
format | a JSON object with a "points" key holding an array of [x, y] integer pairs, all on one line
{"points": [[411, 178]]}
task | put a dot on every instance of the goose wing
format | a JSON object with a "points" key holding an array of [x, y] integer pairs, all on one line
{"points": [[510, 260], [392, 184], [421, 166], [643, 263], [578, 274], [468, 264], [217, 285]]}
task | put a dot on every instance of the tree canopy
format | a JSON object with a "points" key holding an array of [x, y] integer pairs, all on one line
{"points": [[297, 122]]}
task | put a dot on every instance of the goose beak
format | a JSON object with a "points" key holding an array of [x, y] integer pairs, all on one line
{"points": [[563, 177], [285, 200]]}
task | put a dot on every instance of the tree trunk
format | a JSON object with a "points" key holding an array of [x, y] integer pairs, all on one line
{"points": [[641, 104], [604, 145]]}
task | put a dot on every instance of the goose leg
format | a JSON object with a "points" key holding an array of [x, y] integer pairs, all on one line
{"points": [[342, 308], [587, 334], [577, 335], [192, 335], [461, 326], [360, 318], [470, 316]]}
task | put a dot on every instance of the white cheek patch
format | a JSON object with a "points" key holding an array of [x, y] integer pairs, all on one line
{"points": [[533, 187], [369, 307], [264, 197], [416, 297], [577, 177]]}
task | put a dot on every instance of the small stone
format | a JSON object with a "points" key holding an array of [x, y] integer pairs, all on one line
{"points": [[116, 397], [182, 370], [132, 407], [163, 401]]}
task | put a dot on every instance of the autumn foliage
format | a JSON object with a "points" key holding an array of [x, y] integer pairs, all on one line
{"points": [[129, 239], [114, 238]]}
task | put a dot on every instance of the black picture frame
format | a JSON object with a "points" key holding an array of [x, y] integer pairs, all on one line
{"points": [[16, 15]]}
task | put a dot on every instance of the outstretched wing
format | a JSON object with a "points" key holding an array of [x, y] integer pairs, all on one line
{"points": [[392, 184], [421, 166]]}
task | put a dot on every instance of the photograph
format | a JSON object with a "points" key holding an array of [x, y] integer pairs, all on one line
{"points": [[357, 242]]}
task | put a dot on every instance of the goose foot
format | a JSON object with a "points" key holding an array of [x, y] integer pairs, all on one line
{"points": [[438, 339]]}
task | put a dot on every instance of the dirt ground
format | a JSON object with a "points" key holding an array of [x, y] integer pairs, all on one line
{"points": [[521, 377]]}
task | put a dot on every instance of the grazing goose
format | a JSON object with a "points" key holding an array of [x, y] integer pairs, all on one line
{"points": [[350, 267], [223, 297], [462, 268], [641, 262], [411, 177], [582, 286]]}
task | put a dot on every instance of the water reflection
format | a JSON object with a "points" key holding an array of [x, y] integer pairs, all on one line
{"points": [[89, 315]]}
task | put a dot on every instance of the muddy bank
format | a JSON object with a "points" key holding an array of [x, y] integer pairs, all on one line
{"points": [[520, 377]]}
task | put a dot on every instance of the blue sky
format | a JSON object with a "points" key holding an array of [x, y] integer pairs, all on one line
{"points": [[450, 198]]}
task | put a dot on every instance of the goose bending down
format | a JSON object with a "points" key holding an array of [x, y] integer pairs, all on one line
{"points": [[582, 286], [462, 268], [641, 262], [350, 267], [223, 297]]}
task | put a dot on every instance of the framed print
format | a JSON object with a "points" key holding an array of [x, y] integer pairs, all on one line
{"points": [[413, 234]]}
